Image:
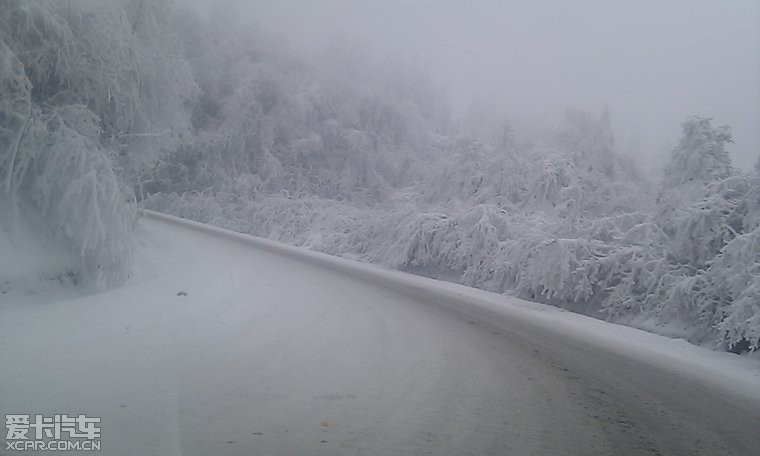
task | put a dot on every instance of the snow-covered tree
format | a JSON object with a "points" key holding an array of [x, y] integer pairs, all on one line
{"points": [[701, 154], [87, 90]]}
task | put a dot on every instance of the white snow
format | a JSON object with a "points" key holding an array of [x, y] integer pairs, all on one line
{"points": [[153, 363]]}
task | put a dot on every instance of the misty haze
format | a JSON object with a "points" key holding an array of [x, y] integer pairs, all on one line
{"points": [[380, 227]]}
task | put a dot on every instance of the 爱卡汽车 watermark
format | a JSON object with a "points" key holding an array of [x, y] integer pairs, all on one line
{"points": [[52, 433]]}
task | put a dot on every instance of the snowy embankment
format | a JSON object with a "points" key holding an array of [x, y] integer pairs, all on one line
{"points": [[224, 343]]}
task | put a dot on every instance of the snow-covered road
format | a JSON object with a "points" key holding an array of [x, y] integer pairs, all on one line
{"points": [[221, 347]]}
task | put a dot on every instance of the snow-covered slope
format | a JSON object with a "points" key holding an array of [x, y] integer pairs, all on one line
{"points": [[227, 344]]}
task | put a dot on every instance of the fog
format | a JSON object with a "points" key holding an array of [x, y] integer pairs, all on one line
{"points": [[652, 63], [351, 149]]}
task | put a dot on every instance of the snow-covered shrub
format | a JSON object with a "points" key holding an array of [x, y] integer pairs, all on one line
{"points": [[468, 171], [564, 270], [64, 179], [700, 230], [727, 294], [80, 198]]}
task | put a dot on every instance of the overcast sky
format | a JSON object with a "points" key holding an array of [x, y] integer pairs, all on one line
{"points": [[653, 62]]}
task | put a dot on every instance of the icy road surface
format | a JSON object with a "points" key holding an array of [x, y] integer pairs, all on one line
{"points": [[219, 347]]}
